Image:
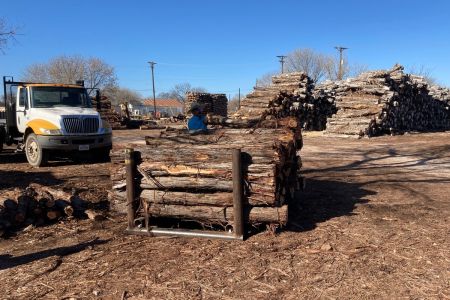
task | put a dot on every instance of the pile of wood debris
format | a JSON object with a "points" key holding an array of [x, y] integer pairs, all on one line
{"points": [[38, 205]]}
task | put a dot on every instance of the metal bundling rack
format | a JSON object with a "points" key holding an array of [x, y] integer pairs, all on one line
{"points": [[238, 207]]}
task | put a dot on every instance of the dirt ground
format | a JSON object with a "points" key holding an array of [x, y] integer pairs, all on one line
{"points": [[373, 223]]}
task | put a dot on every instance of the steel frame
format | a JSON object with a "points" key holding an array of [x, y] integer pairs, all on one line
{"points": [[238, 207]]}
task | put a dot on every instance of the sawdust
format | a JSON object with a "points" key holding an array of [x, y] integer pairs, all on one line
{"points": [[373, 223]]}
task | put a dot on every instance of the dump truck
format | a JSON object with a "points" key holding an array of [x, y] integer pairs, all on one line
{"points": [[48, 118]]}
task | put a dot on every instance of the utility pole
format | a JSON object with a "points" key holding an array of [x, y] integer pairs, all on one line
{"points": [[282, 57], [239, 106], [152, 66], [341, 61]]}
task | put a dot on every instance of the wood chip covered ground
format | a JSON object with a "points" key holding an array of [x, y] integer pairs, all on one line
{"points": [[373, 223]]}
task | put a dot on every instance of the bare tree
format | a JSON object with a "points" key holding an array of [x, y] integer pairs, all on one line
{"points": [[356, 69], [265, 80], [37, 73], [425, 72], [179, 91], [119, 95], [99, 74], [68, 69], [64, 69], [308, 61], [233, 103], [7, 34], [348, 70], [318, 66]]}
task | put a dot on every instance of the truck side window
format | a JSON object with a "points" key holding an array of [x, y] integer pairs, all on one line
{"points": [[23, 96]]}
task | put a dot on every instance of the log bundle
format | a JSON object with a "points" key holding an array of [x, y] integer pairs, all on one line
{"points": [[104, 108], [189, 177], [441, 94], [38, 205], [289, 95], [383, 102], [214, 104]]}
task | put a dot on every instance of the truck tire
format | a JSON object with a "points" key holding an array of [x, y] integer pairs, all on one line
{"points": [[36, 156]]}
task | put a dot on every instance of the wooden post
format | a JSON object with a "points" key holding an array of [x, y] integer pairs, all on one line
{"points": [[129, 163], [238, 226]]}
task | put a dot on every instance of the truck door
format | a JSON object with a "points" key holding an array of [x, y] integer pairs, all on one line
{"points": [[22, 109]]}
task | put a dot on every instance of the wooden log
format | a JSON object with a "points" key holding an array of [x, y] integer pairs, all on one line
{"points": [[224, 215], [65, 207], [53, 214], [213, 199], [188, 183], [52, 194], [94, 215]]}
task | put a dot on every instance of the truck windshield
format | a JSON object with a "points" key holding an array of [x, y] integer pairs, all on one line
{"points": [[45, 97]]}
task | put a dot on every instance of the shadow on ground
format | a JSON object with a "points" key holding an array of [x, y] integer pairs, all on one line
{"points": [[9, 156], [19, 179], [323, 200], [7, 261]]}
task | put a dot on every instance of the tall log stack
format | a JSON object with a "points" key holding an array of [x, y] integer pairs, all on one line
{"points": [[441, 94], [215, 104], [383, 102], [190, 176], [289, 95], [106, 112]]}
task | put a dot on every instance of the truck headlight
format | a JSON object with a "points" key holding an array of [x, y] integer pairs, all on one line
{"points": [[106, 128], [50, 131]]}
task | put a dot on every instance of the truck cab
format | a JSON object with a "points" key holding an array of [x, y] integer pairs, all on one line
{"points": [[45, 117]]}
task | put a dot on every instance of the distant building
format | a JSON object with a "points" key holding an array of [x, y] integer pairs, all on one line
{"points": [[168, 107]]}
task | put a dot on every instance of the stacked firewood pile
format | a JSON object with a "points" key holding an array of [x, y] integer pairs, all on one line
{"points": [[189, 177], [383, 102], [441, 94], [38, 205], [215, 104], [289, 95], [104, 107]]}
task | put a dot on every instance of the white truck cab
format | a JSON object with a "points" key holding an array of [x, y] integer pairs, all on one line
{"points": [[45, 118]]}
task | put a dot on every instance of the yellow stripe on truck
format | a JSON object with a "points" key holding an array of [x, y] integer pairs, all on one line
{"points": [[37, 124]]}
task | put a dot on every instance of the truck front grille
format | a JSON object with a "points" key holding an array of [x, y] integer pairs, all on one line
{"points": [[81, 125]]}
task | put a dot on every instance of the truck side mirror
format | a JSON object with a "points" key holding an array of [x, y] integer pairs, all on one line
{"points": [[27, 106]]}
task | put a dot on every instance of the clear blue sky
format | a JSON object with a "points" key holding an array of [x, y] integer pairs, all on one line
{"points": [[225, 45]]}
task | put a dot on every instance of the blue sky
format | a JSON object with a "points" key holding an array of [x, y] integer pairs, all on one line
{"points": [[225, 45]]}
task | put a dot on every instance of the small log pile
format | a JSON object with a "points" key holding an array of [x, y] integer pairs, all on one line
{"points": [[214, 104], [38, 205], [104, 108], [383, 102], [189, 177], [289, 95]]}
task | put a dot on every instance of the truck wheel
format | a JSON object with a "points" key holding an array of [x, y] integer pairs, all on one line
{"points": [[36, 156]]}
